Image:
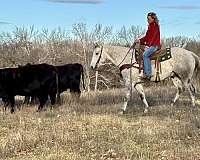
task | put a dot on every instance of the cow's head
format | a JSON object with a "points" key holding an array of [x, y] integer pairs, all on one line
{"points": [[97, 56]]}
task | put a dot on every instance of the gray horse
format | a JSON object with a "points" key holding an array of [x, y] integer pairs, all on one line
{"points": [[181, 69]]}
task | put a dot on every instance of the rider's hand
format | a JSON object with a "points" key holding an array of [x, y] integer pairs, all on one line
{"points": [[137, 41], [146, 47]]}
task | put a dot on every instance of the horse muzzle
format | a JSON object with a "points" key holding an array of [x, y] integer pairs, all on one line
{"points": [[93, 67]]}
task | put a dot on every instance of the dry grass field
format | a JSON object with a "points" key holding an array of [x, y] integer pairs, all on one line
{"points": [[91, 129]]}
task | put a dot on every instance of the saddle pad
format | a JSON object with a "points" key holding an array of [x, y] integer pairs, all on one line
{"points": [[161, 55], [166, 55]]}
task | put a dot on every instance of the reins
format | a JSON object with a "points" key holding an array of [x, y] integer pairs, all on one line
{"points": [[132, 55], [133, 46], [131, 75]]}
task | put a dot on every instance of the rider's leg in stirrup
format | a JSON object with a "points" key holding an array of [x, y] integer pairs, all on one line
{"points": [[147, 62]]}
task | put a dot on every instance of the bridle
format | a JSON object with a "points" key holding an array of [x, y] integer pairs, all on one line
{"points": [[99, 57], [132, 47]]}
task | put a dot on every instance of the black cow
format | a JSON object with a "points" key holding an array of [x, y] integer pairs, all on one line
{"points": [[69, 76], [32, 80]]}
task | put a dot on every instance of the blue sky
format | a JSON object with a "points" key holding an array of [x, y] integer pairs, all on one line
{"points": [[177, 17]]}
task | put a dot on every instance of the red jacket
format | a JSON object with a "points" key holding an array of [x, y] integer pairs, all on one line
{"points": [[152, 37]]}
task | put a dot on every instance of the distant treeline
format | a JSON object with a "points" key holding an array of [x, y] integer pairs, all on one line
{"points": [[59, 46]]}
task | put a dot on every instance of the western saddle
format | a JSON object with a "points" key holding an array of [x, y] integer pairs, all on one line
{"points": [[162, 54]]}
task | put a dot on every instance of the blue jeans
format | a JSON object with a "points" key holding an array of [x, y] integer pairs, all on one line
{"points": [[147, 61]]}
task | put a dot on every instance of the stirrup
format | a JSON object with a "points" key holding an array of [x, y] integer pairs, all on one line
{"points": [[144, 77]]}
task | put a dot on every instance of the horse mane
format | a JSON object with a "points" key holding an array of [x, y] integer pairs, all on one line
{"points": [[112, 49]]}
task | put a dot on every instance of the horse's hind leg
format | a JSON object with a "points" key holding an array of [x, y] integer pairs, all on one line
{"points": [[187, 85], [179, 86], [140, 90], [191, 89]]}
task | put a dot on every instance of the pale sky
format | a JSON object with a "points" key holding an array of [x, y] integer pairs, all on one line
{"points": [[177, 17]]}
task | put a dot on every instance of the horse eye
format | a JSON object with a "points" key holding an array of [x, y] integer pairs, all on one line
{"points": [[97, 53]]}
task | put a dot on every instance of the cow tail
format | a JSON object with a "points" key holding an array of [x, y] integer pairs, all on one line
{"points": [[57, 84], [82, 74]]}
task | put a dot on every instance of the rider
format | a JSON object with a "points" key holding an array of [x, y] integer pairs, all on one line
{"points": [[152, 41]]}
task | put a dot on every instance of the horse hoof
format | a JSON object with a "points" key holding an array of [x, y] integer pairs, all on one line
{"points": [[12, 111], [122, 112], [39, 110], [146, 110], [193, 106]]}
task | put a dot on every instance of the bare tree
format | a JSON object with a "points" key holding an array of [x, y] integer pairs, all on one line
{"points": [[86, 38], [101, 35], [194, 46], [178, 41], [126, 36]]}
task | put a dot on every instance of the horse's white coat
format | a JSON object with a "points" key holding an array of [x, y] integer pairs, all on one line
{"points": [[183, 63]]}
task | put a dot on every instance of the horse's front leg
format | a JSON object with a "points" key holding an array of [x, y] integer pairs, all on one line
{"points": [[126, 100], [140, 90]]}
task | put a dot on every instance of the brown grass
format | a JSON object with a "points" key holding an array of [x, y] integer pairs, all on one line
{"points": [[92, 129]]}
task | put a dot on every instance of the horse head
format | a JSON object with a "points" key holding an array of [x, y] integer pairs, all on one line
{"points": [[97, 56]]}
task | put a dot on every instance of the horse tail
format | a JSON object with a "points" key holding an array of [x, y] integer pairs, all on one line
{"points": [[197, 70]]}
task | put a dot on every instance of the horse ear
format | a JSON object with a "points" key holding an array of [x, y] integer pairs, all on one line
{"points": [[96, 45]]}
